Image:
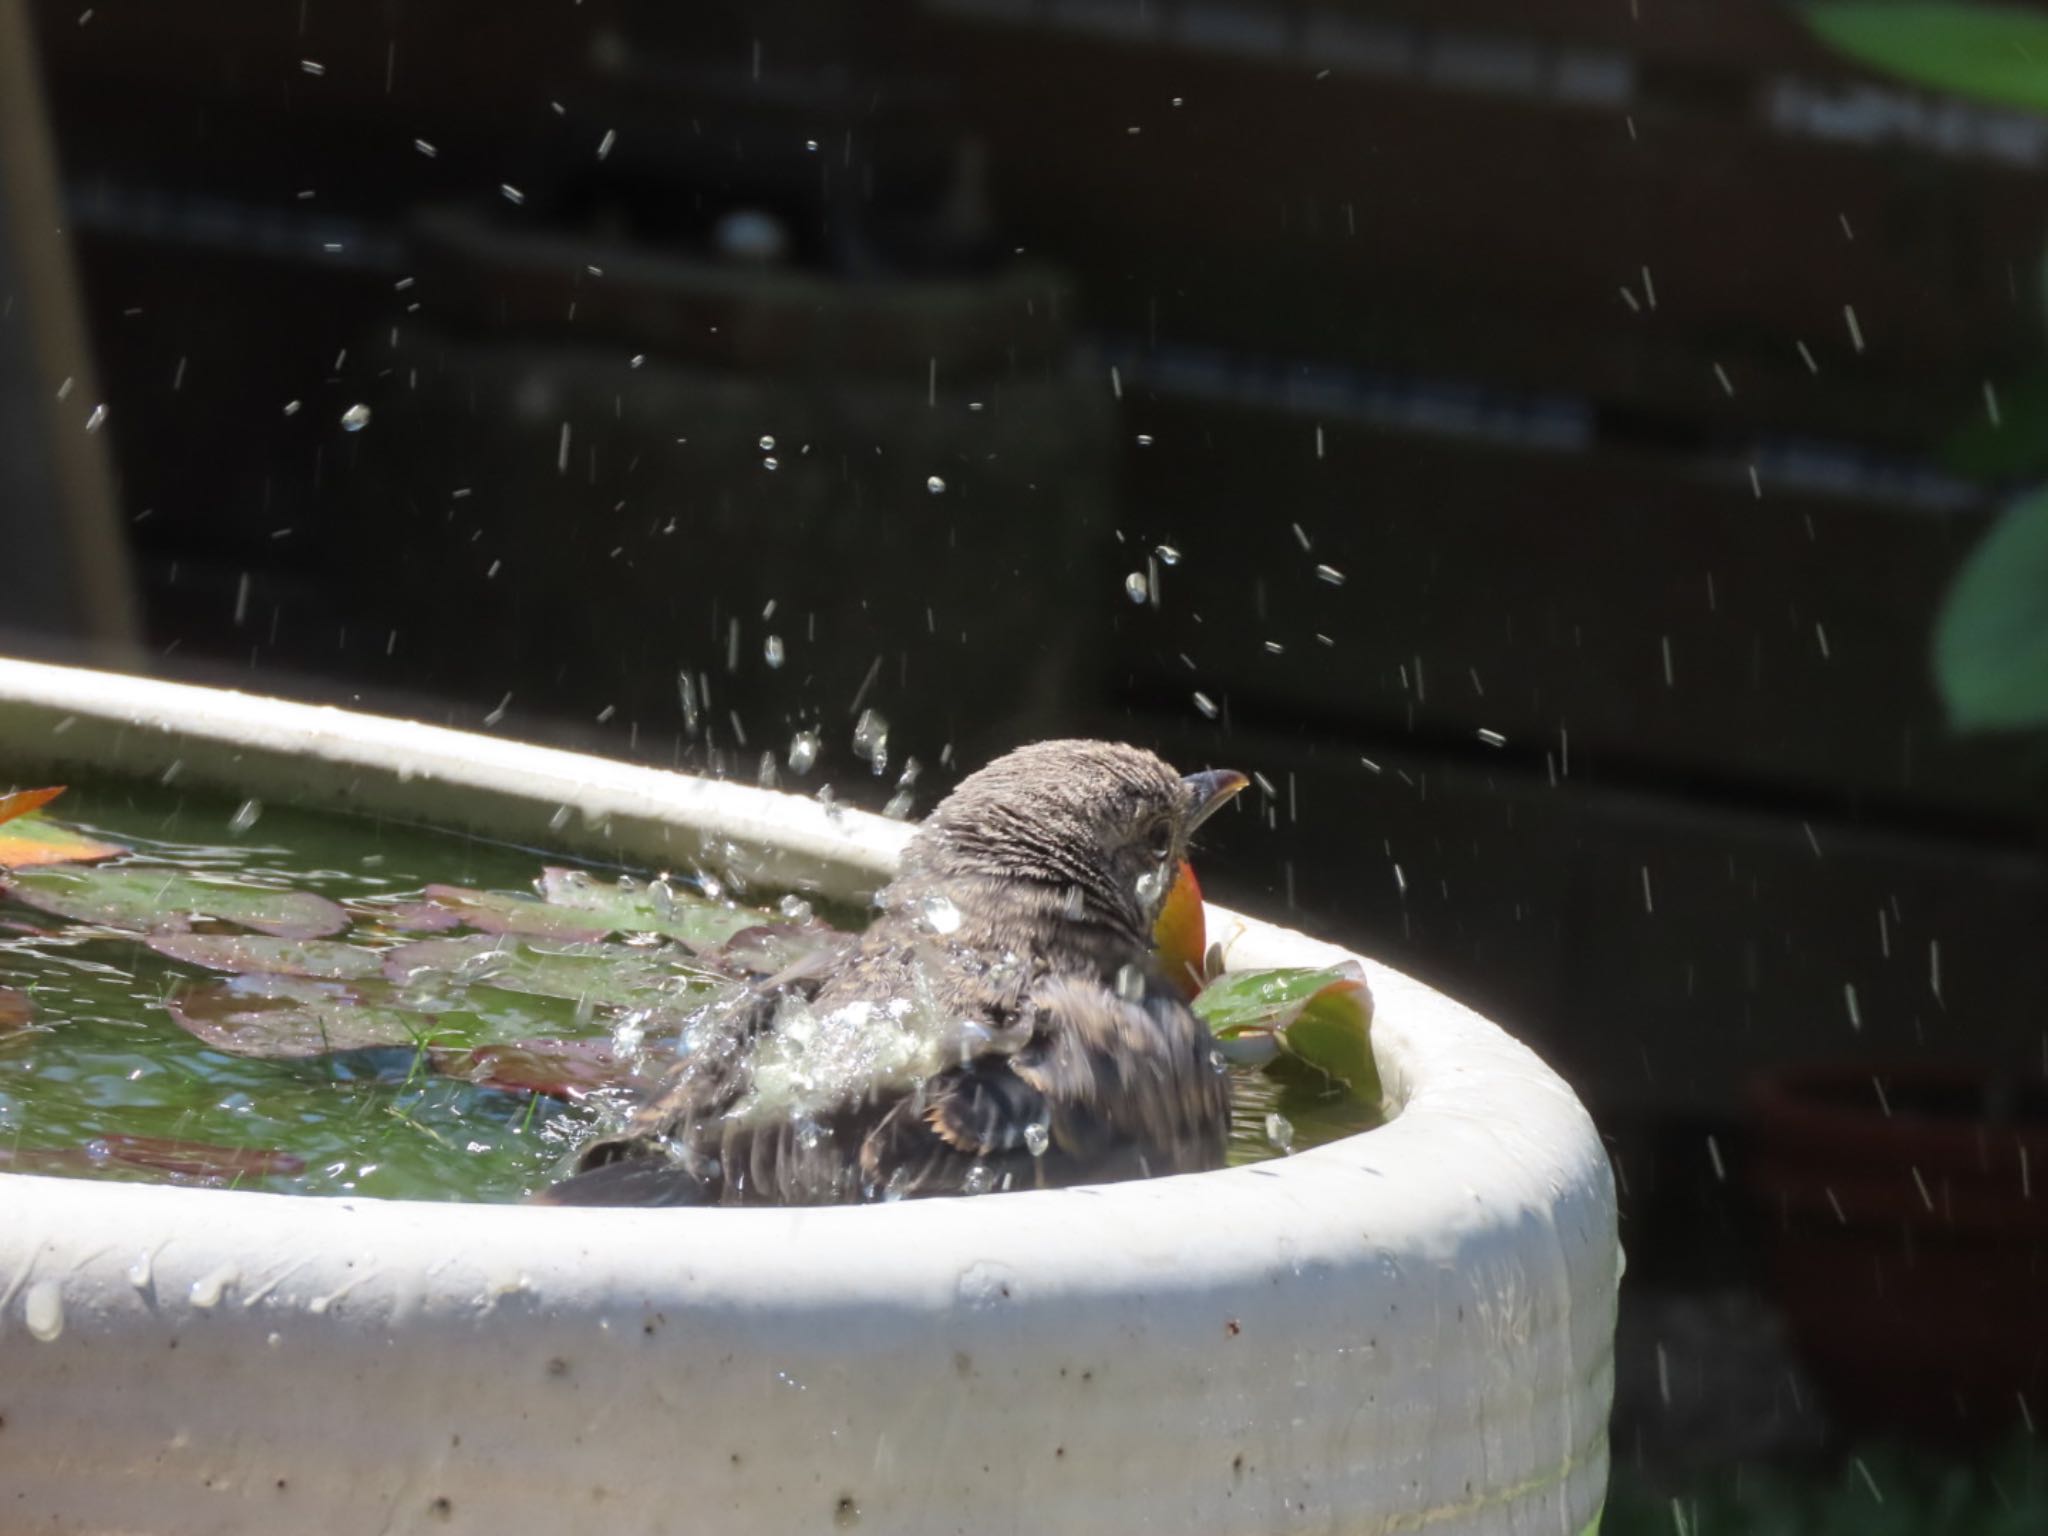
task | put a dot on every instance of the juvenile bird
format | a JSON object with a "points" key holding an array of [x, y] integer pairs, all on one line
{"points": [[1002, 1023]]}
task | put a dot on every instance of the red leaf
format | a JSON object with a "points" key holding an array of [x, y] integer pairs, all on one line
{"points": [[22, 801]]}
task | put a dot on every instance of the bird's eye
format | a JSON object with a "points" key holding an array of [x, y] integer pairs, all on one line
{"points": [[1160, 840]]}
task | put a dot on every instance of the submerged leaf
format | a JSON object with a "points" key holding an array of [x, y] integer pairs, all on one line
{"points": [[560, 1069], [21, 801], [1320, 1017], [15, 1010], [150, 899], [292, 1016], [262, 954], [608, 975], [28, 842], [187, 1162]]}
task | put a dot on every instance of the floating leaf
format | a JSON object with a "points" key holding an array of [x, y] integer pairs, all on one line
{"points": [[260, 953], [148, 899], [1991, 641], [28, 842], [656, 907], [449, 906], [1989, 53], [1333, 1033], [21, 801], [15, 1010], [1180, 935], [1320, 1017], [608, 975], [561, 1069], [294, 1016]]}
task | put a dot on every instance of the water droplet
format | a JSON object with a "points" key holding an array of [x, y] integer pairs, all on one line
{"points": [[795, 908], [1206, 705], [1167, 554], [245, 816], [1280, 1131], [355, 418], [935, 485], [1331, 574], [94, 421], [767, 443], [1136, 588], [98, 1152], [637, 360], [811, 145], [1492, 738], [139, 1271], [939, 914], [1037, 1138], [208, 1288], [511, 194], [1130, 982], [768, 777], [1144, 439], [771, 650], [871, 739], [803, 751], [43, 1310], [771, 464]]}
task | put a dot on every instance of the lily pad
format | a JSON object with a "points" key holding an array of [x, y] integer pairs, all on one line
{"points": [[560, 1069], [454, 906], [606, 975], [147, 899], [264, 955], [30, 841], [295, 1016], [656, 907], [1322, 1018], [20, 802]]}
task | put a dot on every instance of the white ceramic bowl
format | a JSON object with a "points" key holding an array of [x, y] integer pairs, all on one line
{"points": [[1409, 1330]]}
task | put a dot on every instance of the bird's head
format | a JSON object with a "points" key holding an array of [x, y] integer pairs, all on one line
{"points": [[1106, 824]]}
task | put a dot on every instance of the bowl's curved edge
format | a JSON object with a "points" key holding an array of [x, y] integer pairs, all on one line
{"points": [[1407, 1330]]}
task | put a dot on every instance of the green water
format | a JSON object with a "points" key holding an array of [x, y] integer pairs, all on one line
{"points": [[102, 1058]]}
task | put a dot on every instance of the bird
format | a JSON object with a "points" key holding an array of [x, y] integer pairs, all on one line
{"points": [[1002, 1023]]}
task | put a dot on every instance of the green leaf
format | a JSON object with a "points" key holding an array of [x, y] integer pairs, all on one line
{"points": [[1989, 53], [1322, 1018], [1991, 639], [1333, 1033], [264, 955], [1242, 1000], [28, 841], [656, 907], [147, 899], [606, 975]]}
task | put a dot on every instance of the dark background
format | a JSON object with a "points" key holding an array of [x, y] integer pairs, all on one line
{"points": [[1530, 324]]}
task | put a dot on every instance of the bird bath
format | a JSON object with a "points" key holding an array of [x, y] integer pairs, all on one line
{"points": [[1406, 1330]]}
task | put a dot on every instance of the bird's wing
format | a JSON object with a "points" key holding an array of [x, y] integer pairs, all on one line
{"points": [[1105, 1087]]}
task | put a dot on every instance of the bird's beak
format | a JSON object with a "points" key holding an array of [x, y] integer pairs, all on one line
{"points": [[1209, 790]]}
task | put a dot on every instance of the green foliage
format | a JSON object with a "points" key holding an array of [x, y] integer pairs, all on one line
{"points": [[1991, 640], [1990, 53], [1322, 1018]]}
